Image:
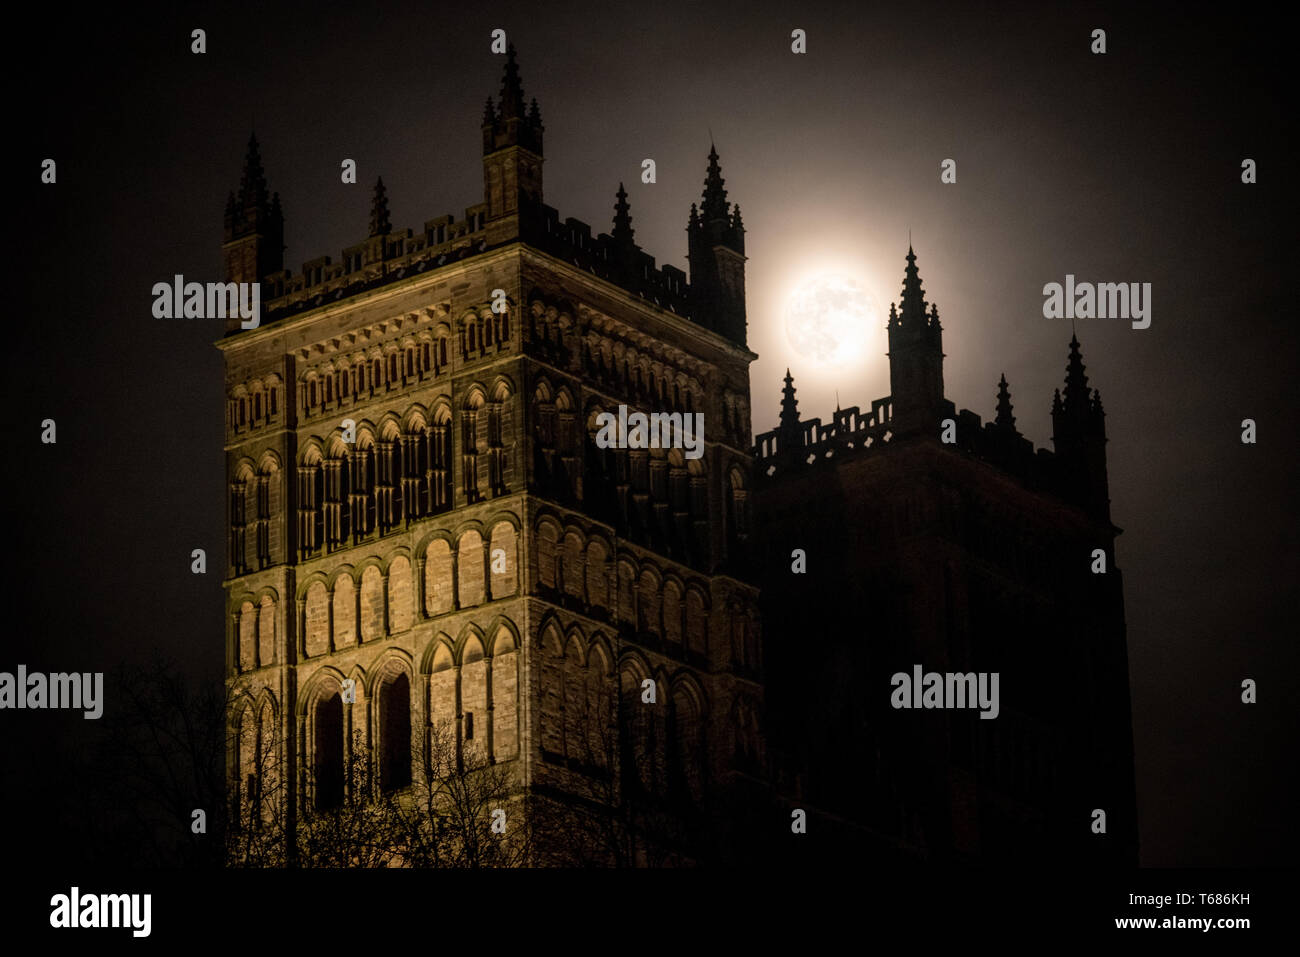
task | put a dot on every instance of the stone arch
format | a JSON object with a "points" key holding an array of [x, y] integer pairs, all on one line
{"points": [[648, 601], [503, 553], [344, 597], [627, 577], [389, 428], [315, 628], [697, 620], [551, 651], [243, 517], [548, 539], [673, 611], [470, 579], [571, 574], [246, 630], [439, 664], [266, 631], [322, 709], [575, 696], [600, 704], [391, 693], [688, 748], [636, 724], [597, 570], [400, 616], [473, 692], [505, 691], [439, 655], [372, 601], [439, 586]]}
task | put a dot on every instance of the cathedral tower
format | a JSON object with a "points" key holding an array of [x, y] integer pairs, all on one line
{"points": [[972, 556], [433, 541]]}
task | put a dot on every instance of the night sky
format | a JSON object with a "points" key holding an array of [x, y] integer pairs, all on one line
{"points": [[1119, 167]]}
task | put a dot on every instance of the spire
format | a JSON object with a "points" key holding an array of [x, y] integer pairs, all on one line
{"points": [[715, 196], [622, 218], [512, 90], [1079, 436], [694, 221], [1076, 383], [1004, 420], [789, 405], [379, 223], [253, 242], [913, 301], [735, 217], [252, 184], [513, 121]]}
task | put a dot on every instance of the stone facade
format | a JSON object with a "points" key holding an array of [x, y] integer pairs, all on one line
{"points": [[418, 503]]}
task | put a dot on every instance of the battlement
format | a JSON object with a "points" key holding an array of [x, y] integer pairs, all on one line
{"points": [[621, 263], [852, 434], [398, 254], [850, 431], [375, 262]]}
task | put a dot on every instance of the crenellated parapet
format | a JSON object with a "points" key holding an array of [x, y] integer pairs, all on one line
{"points": [[378, 261], [512, 212], [803, 446]]}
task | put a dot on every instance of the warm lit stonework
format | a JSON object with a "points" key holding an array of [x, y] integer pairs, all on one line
{"points": [[471, 560]]}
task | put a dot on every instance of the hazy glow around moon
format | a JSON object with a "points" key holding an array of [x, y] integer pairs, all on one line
{"points": [[829, 319]]}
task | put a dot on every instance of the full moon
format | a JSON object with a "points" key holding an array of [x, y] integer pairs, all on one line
{"points": [[829, 319]]}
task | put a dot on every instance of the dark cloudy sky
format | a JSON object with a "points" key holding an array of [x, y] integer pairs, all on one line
{"points": [[1122, 167]]}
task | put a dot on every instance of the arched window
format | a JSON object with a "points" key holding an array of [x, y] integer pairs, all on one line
{"points": [[395, 732], [273, 408], [329, 753], [257, 406], [363, 490], [498, 412], [738, 506], [439, 477], [471, 436], [311, 394], [311, 494]]}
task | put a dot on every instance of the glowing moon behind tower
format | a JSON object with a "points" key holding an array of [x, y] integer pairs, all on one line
{"points": [[830, 319]]}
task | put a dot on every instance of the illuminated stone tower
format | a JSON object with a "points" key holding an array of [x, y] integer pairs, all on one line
{"points": [[424, 533]]}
